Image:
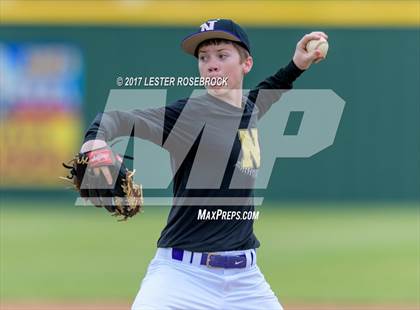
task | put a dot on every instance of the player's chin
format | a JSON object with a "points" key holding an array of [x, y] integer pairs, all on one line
{"points": [[217, 90]]}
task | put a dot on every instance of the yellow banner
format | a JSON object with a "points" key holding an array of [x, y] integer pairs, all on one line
{"points": [[33, 149], [191, 13]]}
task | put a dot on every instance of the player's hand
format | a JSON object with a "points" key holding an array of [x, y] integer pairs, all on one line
{"points": [[105, 172], [94, 145], [302, 58]]}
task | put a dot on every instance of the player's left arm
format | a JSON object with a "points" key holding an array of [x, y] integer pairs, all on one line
{"points": [[283, 79]]}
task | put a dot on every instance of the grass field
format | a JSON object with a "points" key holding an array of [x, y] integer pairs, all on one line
{"points": [[348, 254]]}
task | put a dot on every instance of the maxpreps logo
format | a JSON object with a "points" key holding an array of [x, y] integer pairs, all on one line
{"points": [[208, 25], [259, 148]]}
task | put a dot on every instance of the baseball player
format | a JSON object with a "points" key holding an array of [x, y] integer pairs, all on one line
{"points": [[204, 261]]}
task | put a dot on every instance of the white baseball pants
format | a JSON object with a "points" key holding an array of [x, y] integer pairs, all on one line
{"points": [[187, 285]]}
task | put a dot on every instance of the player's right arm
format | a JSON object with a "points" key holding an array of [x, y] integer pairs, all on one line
{"points": [[148, 124], [145, 124]]}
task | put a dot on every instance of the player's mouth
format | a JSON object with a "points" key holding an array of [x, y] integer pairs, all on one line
{"points": [[220, 81]]}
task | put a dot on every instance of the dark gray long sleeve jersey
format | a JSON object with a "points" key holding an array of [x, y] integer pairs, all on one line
{"points": [[204, 135]]}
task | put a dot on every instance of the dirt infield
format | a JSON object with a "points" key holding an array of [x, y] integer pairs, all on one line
{"points": [[81, 306]]}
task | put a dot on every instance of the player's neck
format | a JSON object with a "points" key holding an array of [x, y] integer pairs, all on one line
{"points": [[232, 97]]}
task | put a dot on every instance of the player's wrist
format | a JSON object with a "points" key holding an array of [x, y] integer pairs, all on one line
{"points": [[92, 145], [291, 71], [299, 63], [294, 67]]}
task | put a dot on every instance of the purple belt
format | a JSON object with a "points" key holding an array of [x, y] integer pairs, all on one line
{"points": [[215, 260]]}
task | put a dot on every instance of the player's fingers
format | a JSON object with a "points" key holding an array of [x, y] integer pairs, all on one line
{"points": [[319, 59], [306, 38], [320, 33], [315, 55], [107, 174]]}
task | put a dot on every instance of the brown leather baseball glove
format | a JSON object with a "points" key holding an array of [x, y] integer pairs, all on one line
{"points": [[101, 177]]}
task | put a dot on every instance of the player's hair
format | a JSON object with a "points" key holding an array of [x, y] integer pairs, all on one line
{"points": [[243, 53]]}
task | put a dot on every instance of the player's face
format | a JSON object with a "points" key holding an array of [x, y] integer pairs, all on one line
{"points": [[222, 60]]}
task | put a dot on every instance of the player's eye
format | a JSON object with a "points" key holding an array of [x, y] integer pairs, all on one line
{"points": [[223, 56], [202, 57]]}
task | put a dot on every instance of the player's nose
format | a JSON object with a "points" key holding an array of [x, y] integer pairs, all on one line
{"points": [[213, 66], [213, 69]]}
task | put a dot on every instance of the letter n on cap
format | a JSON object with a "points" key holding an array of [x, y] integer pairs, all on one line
{"points": [[208, 25]]}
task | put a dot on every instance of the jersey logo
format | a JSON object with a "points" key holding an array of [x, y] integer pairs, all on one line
{"points": [[250, 148], [209, 25]]}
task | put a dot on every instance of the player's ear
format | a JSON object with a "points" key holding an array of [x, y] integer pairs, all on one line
{"points": [[247, 65]]}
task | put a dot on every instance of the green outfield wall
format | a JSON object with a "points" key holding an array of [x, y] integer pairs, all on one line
{"points": [[376, 153]]}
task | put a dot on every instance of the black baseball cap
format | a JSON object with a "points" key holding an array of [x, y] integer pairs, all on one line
{"points": [[216, 29]]}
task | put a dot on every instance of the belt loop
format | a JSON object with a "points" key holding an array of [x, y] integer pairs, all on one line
{"points": [[177, 254], [203, 260]]}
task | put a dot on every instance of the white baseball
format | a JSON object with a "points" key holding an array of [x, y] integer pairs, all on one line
{"points": [[321, 45]]}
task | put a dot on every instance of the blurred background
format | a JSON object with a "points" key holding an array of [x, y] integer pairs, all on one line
{"points": [[338, 230]]}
